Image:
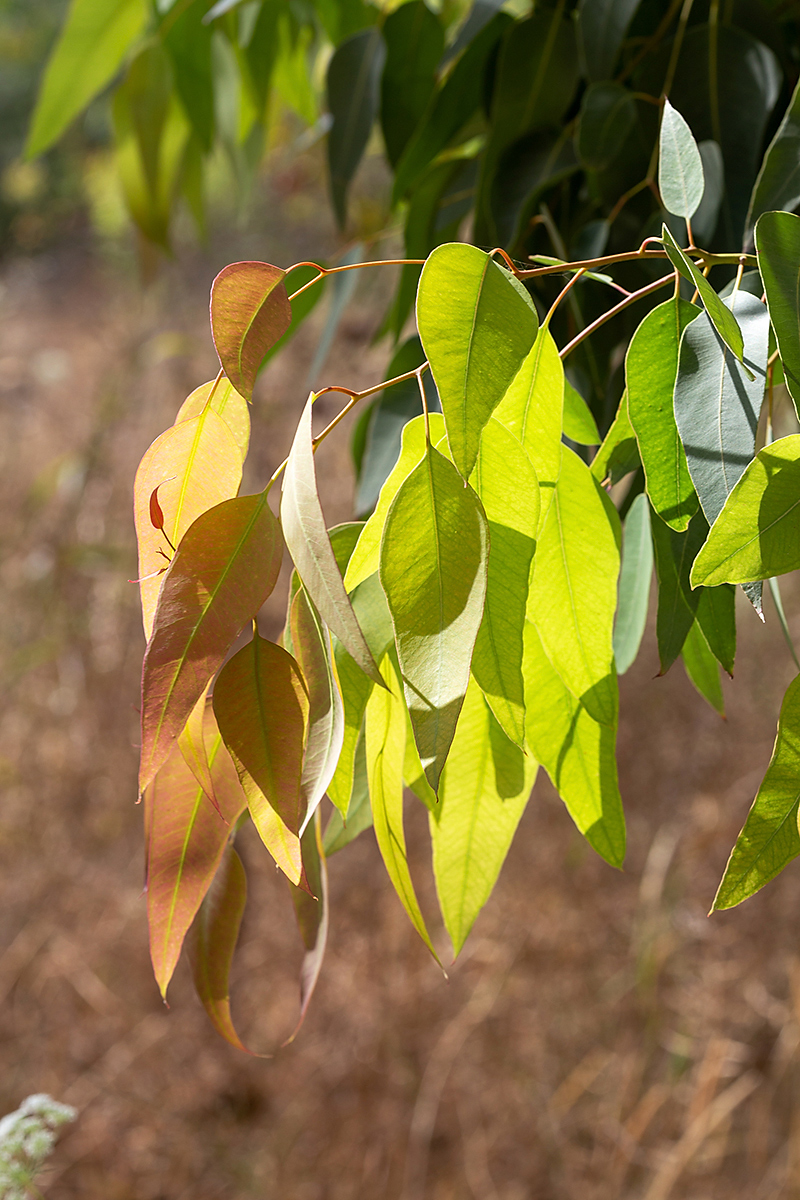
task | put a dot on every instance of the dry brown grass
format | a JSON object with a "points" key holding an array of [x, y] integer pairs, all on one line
{"points": [[599, 1038]]}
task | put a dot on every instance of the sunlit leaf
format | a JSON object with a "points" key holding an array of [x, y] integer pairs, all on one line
{"points": [[778, 245], [476, 329], [225, 568], [359, 814], [602, 25], [312, 911], [485, 787], [680, 168], [214, 937], [353, 90], [635, 577], [769, 839], [226, 403], [618, 454], [433, 570], [249, 312], [579, 424], [719, 314], [702, 668]]}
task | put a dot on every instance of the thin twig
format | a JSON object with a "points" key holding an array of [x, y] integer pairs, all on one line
{"points": [[324, 271], [612, 312], [564, 291]]}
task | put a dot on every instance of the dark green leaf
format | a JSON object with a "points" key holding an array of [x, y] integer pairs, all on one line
{"points": [[188, 43], [353, 87], [721, 316], [608, 113], [414, 43], [526, 171], [704, 221], [677, 603], [778, 182], [778, 245], [701, 667], [602, 25], [635, 577], [716, 616]]}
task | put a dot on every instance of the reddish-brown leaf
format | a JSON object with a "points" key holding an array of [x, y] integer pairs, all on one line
{"points": [[185, 841], [250, 311], [156, 515], [261, 706], [194, 466], [213, 941], [226, 403], [311, 908], [223, 571]]}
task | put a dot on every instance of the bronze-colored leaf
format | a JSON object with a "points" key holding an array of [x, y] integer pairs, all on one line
{"points": [[250, 311]]}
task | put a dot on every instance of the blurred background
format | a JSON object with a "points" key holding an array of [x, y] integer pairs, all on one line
{"points": [[600, 1037]]}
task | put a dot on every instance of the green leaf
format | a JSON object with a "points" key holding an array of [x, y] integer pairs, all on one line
{"points": [[619, 453], [225, 567], [310, 546], [702, 669], [602, 25], [716, 616], [366, 556], [608, 114], [451, 107], [778, 182], [312, 912], [778, 246], [385, 745], [651, 364], [680, 168], [185, 842], [757, 534], [250, 312], [573, 596], [353, 90], [527, 170], [532, 409], [770, 838], [476, 329], [577, 753], [677, 603], [704, 221], [433, 570], [579, 424], [95, 39], [261, 706], [508, 489], [187, 40], [716, 404], [214, 937], [718, 313], [414, 43], [635, 577], [311, 647], [339, 834], [485, 787]]}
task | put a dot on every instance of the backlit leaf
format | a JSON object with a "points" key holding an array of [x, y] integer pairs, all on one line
{"points": [[261, 706], [635, 577], [310, 547], [225, 568], [716, 404], [226, 403], [485, 787], [651, 364], [778, 245], [716, 616], [778, 182], [769, 839], [602, 25], [359, 814], [433, 570], [680, 168], [718, 313], [353, 88], [192, 745], [757, 534], [573, 595], [702, 668], [312, 911], [619, 453], [249, 312], [579, 424], [577, 753], [677, 603], [195, 465], [476, 329], [414, 39], [214, 937], [508, 488]]}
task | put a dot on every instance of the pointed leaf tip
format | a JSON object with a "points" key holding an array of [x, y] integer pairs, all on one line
{"points": [[250, 311]]}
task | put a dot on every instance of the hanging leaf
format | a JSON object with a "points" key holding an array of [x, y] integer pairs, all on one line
{"points": [[192, 745], [353, 89], [261, 706], [225, 568], [312, 911], [718, 313], [476, 329], [185, 842], [577, 753], [485, 787], [608, 114], [359, 814], [532, 409], [508, 489], [194, 466], [680, 168], [433, 570], [478, 16], [310, 546], [187, 40], [214, 937], [651, 364], [677, 603], [702, 669], [385, 745], [778, 184], [93, 43], [365, 559], [778, 245], [635, 577], [717, 403], [226, 403], [757, 534], [704, 221], [414, 39], [769, 839], [573, 595], [312, 649], [716, 616], [619, 453], [602, 25], [249, 312], [579, 424]]}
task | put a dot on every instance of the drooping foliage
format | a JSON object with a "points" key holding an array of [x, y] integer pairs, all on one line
{"points": [[553, 435]]}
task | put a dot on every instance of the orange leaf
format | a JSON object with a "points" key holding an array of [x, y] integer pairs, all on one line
{"points": [[250, 311], [185, 841], [261, 706], [194, 465], [226, 403], [223, 571], [192, 745]]}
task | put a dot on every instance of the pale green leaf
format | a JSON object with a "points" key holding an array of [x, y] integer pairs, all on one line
{"points": [[702, 668], [680, 168], [635, 577]]}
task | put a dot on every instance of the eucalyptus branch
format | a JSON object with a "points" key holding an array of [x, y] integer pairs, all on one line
{"points": [[324, 271], [612, 312]]}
